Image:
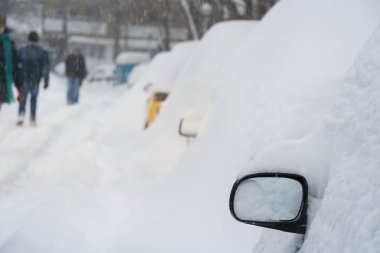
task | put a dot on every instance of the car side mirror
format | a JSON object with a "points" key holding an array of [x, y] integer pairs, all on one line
{"points": [[271, 200], [189, 126]]}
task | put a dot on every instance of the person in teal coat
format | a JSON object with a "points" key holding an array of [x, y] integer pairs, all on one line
{"points": [[8, 65]]}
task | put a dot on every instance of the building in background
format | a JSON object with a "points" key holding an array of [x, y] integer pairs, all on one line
{"points": [[104, 28], [93, 32]]}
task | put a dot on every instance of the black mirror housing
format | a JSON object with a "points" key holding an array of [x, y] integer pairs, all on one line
{"points": [[297, 224]]}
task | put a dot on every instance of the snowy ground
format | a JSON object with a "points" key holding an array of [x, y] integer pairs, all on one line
{"points": [[70, 180], [69, 184]]}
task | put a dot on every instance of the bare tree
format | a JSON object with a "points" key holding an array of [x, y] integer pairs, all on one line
{"points": [[258, 8], [225, 10], [114, 13], [166, 26]]}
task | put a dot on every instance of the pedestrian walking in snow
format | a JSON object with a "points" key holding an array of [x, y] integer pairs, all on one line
{"points": [[8, 64], [75, 71], [34, 65]]}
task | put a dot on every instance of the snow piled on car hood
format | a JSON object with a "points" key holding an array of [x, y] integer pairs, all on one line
{"points": [[349, 217], [273, 92]]}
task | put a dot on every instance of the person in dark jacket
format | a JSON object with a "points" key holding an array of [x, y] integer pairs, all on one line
{"points": [[8, 64], [75, 71], [33, 64]]}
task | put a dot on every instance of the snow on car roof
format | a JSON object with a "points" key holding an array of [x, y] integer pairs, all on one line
{"points": [[132, 57]]}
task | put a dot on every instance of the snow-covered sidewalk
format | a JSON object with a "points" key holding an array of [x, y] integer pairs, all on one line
{"points": [[70, 181]]}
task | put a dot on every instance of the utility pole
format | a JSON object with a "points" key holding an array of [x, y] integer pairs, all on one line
{"points": [[190, 20], [166, 25], [114, 18], [116, 49]]}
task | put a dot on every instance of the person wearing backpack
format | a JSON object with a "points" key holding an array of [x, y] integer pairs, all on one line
{"points": [[34, 65]]}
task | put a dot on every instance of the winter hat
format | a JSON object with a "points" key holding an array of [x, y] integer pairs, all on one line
{"points": [[33, 37], [3, 20]]}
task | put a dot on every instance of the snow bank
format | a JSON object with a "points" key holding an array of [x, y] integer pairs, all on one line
{"points": [[174, 226], [137, 73], [67, 184], [195, 86], [165, 67], [157, 76], [268, 95]]}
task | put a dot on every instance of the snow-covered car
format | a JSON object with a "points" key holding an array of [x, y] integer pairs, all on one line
{"points": [[103, 73], [273, 198], [271, 102], [317, 185]]}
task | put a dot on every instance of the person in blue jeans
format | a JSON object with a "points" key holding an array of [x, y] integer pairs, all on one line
{"points": [[76, 71], [34, 64]]}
